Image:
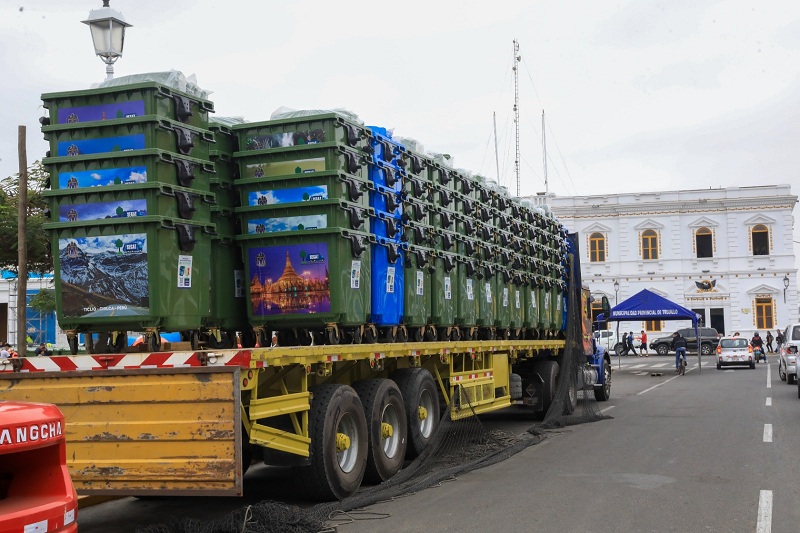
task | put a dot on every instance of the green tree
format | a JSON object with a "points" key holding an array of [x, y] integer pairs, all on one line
{"points": [[43, 301], [118, 243], [40, 259]]}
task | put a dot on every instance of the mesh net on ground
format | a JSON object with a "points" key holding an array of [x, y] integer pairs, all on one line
{"points": [[457, 447]]}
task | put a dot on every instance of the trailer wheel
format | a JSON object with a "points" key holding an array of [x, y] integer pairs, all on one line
{"points": [[338, 432], [602, 394], [571, 401], [223, 343], [387, 428], [421, 402], [548, 370], [72, 341]]}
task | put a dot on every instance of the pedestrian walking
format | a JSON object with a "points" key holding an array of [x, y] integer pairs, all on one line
{"points": [[770, 338], [779, 340], [643, 345], [631, 347]]}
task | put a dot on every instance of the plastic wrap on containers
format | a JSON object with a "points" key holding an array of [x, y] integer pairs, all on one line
{"points": [[443, 159], [465, 172], [411, 144], [172, 78], [287, 112], [227, 121]]}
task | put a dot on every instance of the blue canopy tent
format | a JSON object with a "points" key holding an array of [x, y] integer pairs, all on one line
{"points": [[646, 305]]}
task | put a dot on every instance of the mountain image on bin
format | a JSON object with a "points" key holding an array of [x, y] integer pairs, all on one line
{"points": [[288, 279], [104, 276]]}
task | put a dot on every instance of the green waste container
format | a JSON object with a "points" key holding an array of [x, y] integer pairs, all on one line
{"points": [[417, 297], [226, 169], [530, 319], [446, 241], [417, 189], [228, 284], [309, 279], [122, 135], [304, 216], [147, 272], [226, 222], [443, 289], [326, 185], [129, 202], [467, 290], [129, 168], [417, 212], [302, 160], [516, 289], [302, 131], [503, 296], [126, 102], [227, 140], [416, 164], [487, 303], [442, 176], [419, 234], [443, 219]]}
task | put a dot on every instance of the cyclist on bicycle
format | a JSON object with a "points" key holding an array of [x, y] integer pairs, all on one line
{"points": [[679, 345]]}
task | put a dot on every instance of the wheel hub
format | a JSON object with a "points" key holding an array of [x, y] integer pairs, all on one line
{"points": [[342, 442], [386, 430], [423, 413]]}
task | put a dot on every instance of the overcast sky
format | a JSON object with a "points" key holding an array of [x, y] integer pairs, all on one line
{"points": [[639, 95]]}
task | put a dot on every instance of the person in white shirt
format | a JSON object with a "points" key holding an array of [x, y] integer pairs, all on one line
{"points": [[4, 353]]}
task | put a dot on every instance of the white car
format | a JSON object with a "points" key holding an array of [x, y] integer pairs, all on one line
{"points": [[787, 354], [607, 338], [734, 351]]}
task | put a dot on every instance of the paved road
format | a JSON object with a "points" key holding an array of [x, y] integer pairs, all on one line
{"points": [[682, 453]]}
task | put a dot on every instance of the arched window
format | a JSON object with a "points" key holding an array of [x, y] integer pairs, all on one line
{"points": [[649, 244], [597, 248], [704, 243], [759, 236]]}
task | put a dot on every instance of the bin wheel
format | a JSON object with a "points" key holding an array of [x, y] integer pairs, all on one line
{"points": [[101, 346], [120, 343], [263, 340], [153, 341], [332, 335], [223, 343], [421, 401], [430, 333], [303, 337], [356, 335], [419, 334], [370, 334], [455, 334], [402, 334], [72, 341], [338, 453], [194, 339], [514, 334], [248, 338], [387, 427]]}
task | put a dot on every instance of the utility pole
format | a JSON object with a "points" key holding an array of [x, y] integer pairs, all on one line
{"points": [[22, 244], [517, 59], [496, 156]]}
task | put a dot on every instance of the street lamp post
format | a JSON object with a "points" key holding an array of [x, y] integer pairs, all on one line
{"points": [[785, 286], [108, 35], [616, 295]]}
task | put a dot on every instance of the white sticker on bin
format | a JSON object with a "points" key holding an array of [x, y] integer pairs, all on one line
{"points": [[390, 280], [488, 291], [355, 274], [184, 271], [448, 293], [420, 283], [505, 296], [470, 291]]}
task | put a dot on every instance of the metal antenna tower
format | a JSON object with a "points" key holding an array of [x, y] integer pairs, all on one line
{"points": [[517, 59]]}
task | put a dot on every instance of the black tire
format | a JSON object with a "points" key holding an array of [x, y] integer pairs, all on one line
{"points": [[781, 372], [119, 345], [791, 379], [602, 394], [571, 401], [798, 389], [421, 402], [752, 366], [705, 349], [101, 346], [72, 341], [719, 366], [383, 407], [548, 370], [333, 474], [430, 333], [662, 349], [223, 343], [248, 338], [153, 341]]}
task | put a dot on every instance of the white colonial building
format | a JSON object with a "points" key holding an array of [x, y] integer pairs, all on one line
{"points": [[725, 253]]}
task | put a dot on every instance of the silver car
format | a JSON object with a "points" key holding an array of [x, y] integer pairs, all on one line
{"points": [[787, 354], [734, 351]]}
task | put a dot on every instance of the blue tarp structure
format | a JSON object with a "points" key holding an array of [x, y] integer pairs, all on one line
{"points": [[646, 305]]}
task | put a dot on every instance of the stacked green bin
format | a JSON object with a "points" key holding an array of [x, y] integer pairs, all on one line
{"points": [[417, 297], [467, 287], [131, 274], [305, 223], [444, 294], [318, 280], [131, 202], [487, 302]]}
